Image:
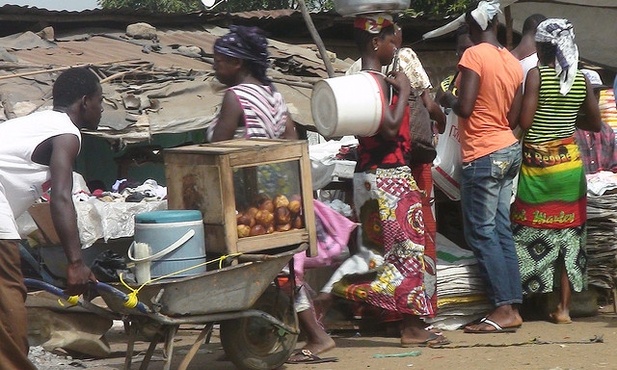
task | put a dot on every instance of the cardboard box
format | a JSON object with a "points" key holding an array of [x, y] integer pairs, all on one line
{"points": [[41, 214], [206, 177]]}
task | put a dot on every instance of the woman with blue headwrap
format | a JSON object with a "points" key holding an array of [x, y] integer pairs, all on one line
{"points": [[549, 212], [251, 105], [253, 108]]}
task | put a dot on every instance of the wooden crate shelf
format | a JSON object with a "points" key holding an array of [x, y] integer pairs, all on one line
{"points": [[202, 177]]}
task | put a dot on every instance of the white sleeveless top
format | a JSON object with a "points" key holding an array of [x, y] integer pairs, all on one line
{"points": [[21, 179], [528, 63]]}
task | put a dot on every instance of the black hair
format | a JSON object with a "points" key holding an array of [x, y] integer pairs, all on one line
{"points": [[259, 71], [531, 23], [546, 52], [462, 30], [462, 34], [363, 38], [72, 85]]}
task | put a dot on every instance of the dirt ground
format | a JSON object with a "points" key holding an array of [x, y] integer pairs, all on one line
{"points": [[588, 343]]}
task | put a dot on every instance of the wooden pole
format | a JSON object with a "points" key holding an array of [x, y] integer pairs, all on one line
{"points": [[316, 38], [120, 74], [509, 39], [4, 77]]}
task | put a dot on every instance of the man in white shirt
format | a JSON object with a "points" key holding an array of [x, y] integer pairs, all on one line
{"points": [[525, 51], [38, 153]]}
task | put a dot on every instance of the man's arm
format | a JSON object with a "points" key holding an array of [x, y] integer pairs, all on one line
{"points": [[515, 108], [63, 153]]}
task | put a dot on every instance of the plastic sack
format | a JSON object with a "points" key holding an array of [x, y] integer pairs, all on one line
{"points": [[333, 232], [108, 265], [447, 166]]}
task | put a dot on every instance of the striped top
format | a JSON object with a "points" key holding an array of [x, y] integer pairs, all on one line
{"points": [[264, 111], [556, 114]]}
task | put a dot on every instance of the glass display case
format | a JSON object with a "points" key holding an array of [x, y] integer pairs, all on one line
{"points": [[254, 194]]}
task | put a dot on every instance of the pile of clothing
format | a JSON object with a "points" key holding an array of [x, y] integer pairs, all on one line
{"points": [[125, 190]]}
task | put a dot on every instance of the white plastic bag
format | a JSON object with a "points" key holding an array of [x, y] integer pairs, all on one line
{"points": [[448, 164]]}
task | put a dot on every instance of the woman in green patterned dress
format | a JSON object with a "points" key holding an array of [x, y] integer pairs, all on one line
{"points": [[549, 212]]}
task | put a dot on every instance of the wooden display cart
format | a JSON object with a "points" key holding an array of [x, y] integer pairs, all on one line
{"points": [[202, 177]]}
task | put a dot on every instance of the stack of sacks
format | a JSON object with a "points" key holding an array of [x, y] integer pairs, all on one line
{"points": [[608, 110], [460, 289], [602, 240]]}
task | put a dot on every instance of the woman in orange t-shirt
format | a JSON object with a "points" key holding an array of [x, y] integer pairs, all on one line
{"points": [[488, 103]]}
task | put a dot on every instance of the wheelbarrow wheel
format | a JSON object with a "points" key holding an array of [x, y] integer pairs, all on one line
{"points": [[252, 343]]}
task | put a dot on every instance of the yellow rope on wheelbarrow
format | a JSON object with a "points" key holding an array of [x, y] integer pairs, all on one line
{"points": [[133, 299], [72, 300]]}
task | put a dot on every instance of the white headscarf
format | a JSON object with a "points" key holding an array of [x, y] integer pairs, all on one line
{"points": [[560, 33], [485, 12]]}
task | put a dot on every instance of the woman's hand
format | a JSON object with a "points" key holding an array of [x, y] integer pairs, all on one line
{"points": [[391, 121], [400, 82]]}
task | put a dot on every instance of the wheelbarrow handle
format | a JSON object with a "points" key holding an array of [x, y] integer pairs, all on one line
{"points": [[139, 306], [38, 284]]}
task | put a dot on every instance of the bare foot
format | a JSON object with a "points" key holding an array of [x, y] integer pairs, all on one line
{"points": [[505, 317], [560, 317], [415, 332], [433, 340], [316, 348]]}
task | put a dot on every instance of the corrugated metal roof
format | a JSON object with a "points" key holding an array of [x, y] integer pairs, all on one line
{"points": [[172, 74]]}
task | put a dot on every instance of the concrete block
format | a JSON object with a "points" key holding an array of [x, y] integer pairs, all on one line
{"points": [[79, 332]]}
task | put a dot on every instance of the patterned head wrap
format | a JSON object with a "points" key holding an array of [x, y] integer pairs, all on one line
{"points": [[485, 12], [246, 43], [560, 32], [373, 23]]}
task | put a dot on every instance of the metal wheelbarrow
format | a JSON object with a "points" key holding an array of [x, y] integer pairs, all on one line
{"points": [[258, 323]]}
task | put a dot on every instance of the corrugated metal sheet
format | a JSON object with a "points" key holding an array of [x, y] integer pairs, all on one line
{"points": [[175, 72], [179, 84]]}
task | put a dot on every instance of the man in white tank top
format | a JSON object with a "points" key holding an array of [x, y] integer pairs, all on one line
{"points": [[37, 153], [525, 51]]}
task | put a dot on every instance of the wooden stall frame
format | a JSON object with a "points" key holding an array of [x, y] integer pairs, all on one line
{"points": [[209, 170]]}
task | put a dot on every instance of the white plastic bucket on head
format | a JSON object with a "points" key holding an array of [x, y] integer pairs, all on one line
{"points": [[348, 8], [347, 105], [168, 242]]}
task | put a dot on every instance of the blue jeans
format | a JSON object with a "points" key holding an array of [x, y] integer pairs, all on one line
{"points": [[486, 191]]}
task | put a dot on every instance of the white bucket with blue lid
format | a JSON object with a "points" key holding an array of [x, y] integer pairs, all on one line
{"points": [[169, 242]]}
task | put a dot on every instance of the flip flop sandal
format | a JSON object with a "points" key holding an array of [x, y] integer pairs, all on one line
{"points": [[433, 341], [309, 358], [433, 330], [496, 328]]}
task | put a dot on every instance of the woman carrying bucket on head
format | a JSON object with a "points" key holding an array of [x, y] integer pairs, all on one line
{"points": [[387, 199]]}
